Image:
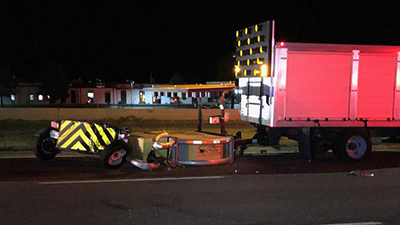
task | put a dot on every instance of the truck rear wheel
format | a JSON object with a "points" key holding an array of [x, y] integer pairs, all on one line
{"points": [[352, 146]]}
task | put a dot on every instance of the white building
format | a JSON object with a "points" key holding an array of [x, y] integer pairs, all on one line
{"points": [[26, 94], [114, 95]]}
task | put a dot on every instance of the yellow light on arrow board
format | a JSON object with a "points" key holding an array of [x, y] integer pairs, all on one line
{"points": [[264, 70], [239, 43], [248, 62], [245, 72], [256, 28], [258, 38], [245, 31], [248, 41], [241, 53], [251, 51], [261, 49], [237, 70], [237, 33]]}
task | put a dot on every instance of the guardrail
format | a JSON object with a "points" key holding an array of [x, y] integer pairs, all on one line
{"points": [[109, 113]]}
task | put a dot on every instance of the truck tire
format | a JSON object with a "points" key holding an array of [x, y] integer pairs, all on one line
{"points": [[352, 146], [114, 155], [44, 147]]}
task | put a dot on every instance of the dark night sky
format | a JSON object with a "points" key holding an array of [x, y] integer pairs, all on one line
{"points": [[117, 41]]}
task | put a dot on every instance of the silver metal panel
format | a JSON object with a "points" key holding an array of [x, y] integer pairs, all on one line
{"points": [[396, 108], [243, 106], [376, 86], [243, 82], [354, 84], [253, 120], [279, 83]]}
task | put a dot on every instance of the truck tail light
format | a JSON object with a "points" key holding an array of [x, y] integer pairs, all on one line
{"points": [[55, 125]]}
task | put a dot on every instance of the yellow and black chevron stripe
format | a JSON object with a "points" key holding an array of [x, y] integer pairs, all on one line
{"points": [[84, 136]]}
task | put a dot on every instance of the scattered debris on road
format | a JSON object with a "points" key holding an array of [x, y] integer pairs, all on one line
{"points": [[361, 173]]}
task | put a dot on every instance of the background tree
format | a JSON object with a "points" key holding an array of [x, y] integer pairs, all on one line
{"points": [[7, 81], [53, 79]]}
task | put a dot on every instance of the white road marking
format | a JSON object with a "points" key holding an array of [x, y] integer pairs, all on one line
{"points": [[360, 223], [133, 180], [33, 156]]}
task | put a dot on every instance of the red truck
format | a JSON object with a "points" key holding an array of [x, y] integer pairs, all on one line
{"points": [[326, 96]]}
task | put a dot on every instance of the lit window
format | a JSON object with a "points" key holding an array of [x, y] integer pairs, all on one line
{"points": [[142, 97], [90, 95], [12, 97], [31, 97], [40, 97]]}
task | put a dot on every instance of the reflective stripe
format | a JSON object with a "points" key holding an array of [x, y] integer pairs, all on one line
{"points": [[78, 146], [78, 134], [102, 134], [67, 133], [197, 142], [93, 137], [65, 125], [84, 136], [112, 133]]}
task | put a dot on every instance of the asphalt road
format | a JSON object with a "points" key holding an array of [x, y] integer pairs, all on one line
{"points": [[269, 189]]}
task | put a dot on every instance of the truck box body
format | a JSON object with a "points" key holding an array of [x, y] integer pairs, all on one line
{"points": [[327, 85]]}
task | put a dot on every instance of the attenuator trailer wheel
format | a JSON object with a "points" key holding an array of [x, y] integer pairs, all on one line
{"points": [[114, 155], [44, 147], [352, 145]]}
